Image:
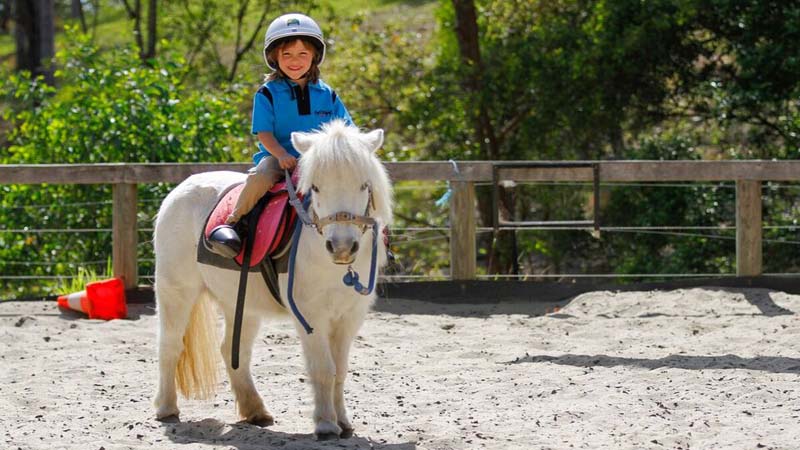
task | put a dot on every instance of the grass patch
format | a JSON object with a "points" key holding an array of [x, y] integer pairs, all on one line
{"points": [[84, 276]]}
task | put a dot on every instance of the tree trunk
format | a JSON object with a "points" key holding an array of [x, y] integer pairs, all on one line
{"points": [[466, 28], [76, 12], [147, 45], [35, 36], [152, 25], [5, 15], [135, 13], [24, 17]]}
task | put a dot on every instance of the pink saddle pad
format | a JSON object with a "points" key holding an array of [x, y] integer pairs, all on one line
{"points": [[275, 221]]}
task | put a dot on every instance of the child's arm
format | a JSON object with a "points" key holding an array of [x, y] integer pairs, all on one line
{"points": [[285, 159]]}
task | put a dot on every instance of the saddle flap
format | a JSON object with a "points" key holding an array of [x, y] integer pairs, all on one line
{"points": [[270, 226]]}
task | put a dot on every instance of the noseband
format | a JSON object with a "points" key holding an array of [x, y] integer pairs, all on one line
{"points": [[363, 221], [345, 218]]}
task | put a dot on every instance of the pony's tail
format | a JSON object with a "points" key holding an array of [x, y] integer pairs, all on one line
{"points": [[197, 366]]}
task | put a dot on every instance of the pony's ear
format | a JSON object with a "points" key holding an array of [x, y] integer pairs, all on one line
{"points": [[302, 141], [374, 139]]}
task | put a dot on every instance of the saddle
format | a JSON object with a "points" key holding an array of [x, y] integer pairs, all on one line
{"points": [[270, 223]]}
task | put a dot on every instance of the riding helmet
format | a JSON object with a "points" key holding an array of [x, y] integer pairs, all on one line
{"points": [[293, 24]]}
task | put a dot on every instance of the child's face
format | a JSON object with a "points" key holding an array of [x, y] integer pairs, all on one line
{"points": [[295, 58]]}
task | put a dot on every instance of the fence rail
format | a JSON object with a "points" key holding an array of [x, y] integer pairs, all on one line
{"points": [[462, 176]]}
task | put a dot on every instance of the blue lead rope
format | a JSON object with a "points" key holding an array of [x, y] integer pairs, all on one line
{"points": [[298, 228], [351, 277]]}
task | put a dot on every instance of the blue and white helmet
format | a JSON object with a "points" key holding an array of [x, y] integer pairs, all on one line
{"points": [[293, 24]]}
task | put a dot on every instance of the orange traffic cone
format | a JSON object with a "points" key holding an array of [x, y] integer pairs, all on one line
{"points": [[103, 299]]}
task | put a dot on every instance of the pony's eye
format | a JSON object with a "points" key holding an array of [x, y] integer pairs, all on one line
{"points": [[315, 188], [365, 186]]}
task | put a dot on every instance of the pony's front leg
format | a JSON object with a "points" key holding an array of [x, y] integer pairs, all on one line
{"points": [[249, 402], [342, 339], [322, 372]]}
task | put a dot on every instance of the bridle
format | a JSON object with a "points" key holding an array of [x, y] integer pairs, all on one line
{"points": [[346, 218], [363, 221]]}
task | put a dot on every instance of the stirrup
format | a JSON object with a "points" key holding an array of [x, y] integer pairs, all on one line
{"points": [[225, 241]]}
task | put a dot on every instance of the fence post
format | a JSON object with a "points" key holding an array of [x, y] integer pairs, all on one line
{"points": [[125, 234], [748, 228], [462, 230]]}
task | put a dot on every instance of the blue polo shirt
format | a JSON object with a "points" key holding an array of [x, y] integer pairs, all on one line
{"points": [[282, 107]]}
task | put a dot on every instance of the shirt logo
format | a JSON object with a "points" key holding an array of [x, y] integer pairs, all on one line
{"points": [[322, 113]]}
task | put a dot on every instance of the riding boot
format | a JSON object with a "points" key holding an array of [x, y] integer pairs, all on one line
{"points": [[224, 240]]}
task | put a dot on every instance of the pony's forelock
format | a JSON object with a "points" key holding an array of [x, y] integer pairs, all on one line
{"points": [[340, 151]]}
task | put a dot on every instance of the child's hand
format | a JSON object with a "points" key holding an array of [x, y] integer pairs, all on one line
{"points": [[287, 162]]}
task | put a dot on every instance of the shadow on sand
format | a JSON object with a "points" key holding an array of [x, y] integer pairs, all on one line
{"points": [[244, 436], [536, 299], [772, 364]]}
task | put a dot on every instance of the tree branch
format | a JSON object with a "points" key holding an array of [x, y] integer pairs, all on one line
{"points": [[129, 9], [413, 220], [250, 42], [512, 124]]}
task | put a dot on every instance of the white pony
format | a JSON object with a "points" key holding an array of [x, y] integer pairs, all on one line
{"points": [[341, 171]]}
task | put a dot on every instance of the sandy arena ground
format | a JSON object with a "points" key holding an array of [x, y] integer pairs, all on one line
{"points": [[699, 368]]}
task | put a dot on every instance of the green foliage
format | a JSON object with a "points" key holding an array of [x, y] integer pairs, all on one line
{"points": [[216, 33], [106, 107], [589, 80], [561, 79], [693, 251], [377, 71], [750, 78], [109, 108]]}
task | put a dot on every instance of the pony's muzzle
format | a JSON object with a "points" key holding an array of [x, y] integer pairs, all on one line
{"points": [[343, 251]]}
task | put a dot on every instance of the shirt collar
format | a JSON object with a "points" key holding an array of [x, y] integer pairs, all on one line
{"points": [[289, 83]]}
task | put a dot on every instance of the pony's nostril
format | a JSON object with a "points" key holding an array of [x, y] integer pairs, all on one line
{"points": [[329, 246], [354, 248]]}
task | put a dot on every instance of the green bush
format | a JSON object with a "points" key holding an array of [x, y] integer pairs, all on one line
{"points": [[105, 107]]}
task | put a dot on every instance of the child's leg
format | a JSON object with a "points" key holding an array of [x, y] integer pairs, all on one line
{"points": [[260, 179]]}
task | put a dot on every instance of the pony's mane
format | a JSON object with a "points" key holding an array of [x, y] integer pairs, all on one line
{"points": [[342, 149]]}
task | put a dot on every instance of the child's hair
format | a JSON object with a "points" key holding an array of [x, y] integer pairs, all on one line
{"points": [[313, 71]]}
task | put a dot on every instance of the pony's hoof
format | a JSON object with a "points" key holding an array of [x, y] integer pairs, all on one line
{"points": [[326, 431], [347, 428], [326, 436], [261, 420], [167, 414], [169, 419]]}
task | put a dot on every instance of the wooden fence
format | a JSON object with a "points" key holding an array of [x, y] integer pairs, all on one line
{"points": [[462, 176]]}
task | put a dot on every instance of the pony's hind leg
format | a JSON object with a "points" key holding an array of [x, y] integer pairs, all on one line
{"points": [[249, 403], [174, 311]]}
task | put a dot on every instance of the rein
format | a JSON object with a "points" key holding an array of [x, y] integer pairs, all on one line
{"points": [[351, 277]]}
